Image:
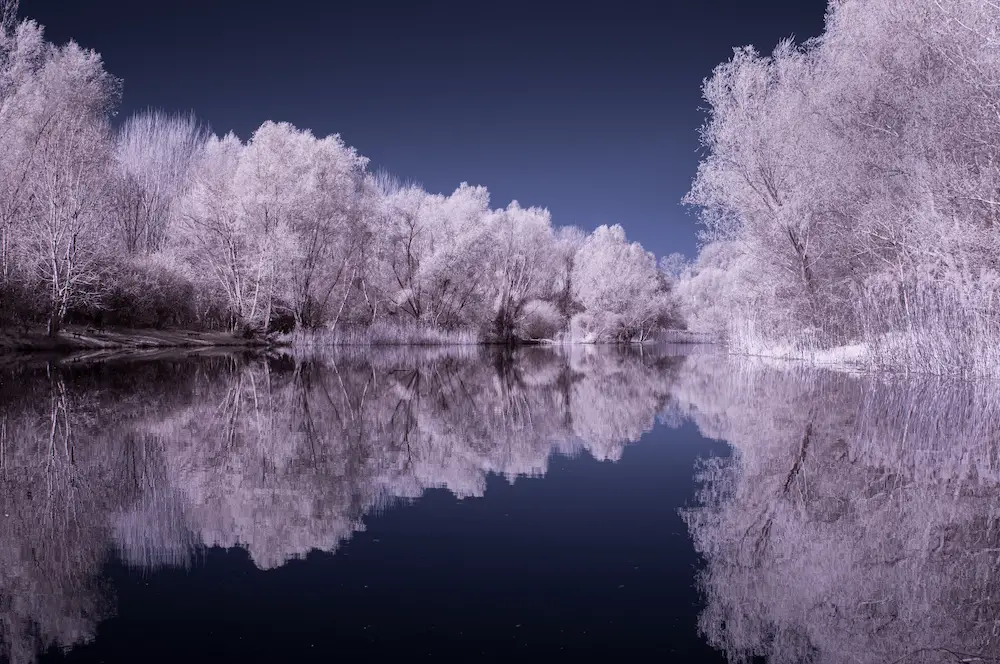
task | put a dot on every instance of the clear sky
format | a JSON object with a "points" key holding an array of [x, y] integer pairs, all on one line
{"points": [[588, 108]]}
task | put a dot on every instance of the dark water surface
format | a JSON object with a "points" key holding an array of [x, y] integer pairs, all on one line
{"points": [[471, 504]]}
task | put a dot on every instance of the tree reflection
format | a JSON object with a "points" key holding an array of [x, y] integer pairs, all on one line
{"points": [[277, 455], [856, 521]]}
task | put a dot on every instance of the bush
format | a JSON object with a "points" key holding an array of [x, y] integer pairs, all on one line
{"points": [[20, 305], [148, 292], [540, 320], [583, 328]]}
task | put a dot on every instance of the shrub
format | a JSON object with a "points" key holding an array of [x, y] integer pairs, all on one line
{"points": [[540, 320]]}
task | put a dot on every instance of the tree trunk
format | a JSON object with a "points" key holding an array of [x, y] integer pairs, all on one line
{"points": [[504, 323], [55, 321], [347, 292], [267, 313]]}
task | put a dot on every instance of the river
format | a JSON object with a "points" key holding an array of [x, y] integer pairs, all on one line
{"points": [[475, 503]]}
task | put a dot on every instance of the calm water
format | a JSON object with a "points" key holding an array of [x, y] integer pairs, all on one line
{"points": [[472, 505]]}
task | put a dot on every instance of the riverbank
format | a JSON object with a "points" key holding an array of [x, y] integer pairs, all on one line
{"points": [[74, 339], [80, 338], [383, 334], [965, 353], [379, 334]]}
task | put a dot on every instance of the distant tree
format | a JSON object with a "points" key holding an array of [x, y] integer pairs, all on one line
{"points": [[626, 297], [404, 238], [674, 265], [524, 264], [435, 254], [331, 228], [711, 291], [455, 273], [568, 240]]}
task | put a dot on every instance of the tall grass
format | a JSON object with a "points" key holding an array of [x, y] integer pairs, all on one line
{"points": [[758, 332], [379, 334], [936, 327], [933, 327], [388, 334], [672, 336]]}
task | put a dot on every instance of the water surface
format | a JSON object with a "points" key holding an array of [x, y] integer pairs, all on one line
{"points": [[477, 504]]}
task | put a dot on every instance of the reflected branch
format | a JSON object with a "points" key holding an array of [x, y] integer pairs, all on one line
{"points": [[889, 548], [157, 461]]}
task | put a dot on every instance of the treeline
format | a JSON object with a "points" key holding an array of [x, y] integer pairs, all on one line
{"points": [[159, 223], [849, 194]]}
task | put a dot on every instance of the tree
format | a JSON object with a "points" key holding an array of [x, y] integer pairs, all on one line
{"points": [[154, 153], [453, 275], [272, 183], [434, 254], [856, 176], [713, 290], [404, 244], [219, 237], [524, 264], [22, 53], [626, 297], [67, 231], [331, 228], [568, 240], [761, 181], [674, 265], [25, 116]]}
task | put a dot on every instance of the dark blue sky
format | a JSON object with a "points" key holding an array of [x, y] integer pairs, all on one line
{"points": [[591, 109]]}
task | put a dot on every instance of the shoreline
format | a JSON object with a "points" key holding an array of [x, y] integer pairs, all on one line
{"points": [[85, 340], [80, 338]]}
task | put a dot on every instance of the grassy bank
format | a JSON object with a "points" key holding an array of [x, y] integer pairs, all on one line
{"points": [[386, 334], [380, 334], [86, 338]]}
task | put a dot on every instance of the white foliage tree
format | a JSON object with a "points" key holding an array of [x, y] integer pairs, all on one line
{"points": [[23, 120], [217, 234], [568, 240], [524, 264], [626, 297], [161, 224], [70, 165], [155, 153], [54, 103], [856, 176], [332, 227]]}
